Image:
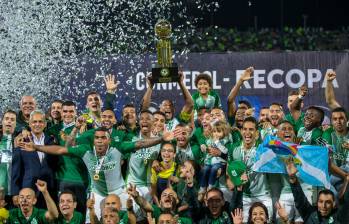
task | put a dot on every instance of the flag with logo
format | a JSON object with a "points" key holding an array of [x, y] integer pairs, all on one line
{"points": [[311, 161]]}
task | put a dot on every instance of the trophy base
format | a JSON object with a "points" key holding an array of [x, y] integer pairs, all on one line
{"points": [[165, 74]]}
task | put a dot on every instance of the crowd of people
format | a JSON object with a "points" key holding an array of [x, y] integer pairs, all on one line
{"points": [[161, 166]]}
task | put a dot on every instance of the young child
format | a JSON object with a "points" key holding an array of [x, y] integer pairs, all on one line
{"points": [[205, 96], [214, 165]]}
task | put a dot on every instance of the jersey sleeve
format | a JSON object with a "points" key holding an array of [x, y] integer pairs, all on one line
{"points": [[79, 150]]}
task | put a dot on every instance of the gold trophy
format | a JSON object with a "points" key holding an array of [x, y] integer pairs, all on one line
{"points": [[165, 70]]}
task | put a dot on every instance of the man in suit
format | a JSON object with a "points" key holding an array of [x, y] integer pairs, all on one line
{"points": [[28, 167]]}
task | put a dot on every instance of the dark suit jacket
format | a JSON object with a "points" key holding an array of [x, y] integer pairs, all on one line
{"points": [[27, 169]]}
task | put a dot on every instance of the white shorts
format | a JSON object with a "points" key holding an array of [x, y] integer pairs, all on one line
{"points": [[247, 202]]}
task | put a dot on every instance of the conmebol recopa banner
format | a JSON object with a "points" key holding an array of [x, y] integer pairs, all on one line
{"points": [[276, 73]]}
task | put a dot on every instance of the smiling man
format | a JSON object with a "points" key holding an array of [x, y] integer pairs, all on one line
{"points": [[311, 132], [27, 105], [27, 212], [168, 203], [257, 188], [67, 206], [325, 211]]}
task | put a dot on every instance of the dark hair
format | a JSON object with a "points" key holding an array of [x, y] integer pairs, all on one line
{"points": [[168, 143], [103, 129], [160, 113], [340, 109], [205, 77], [285, 121], [277, 104], [250, 119], [293, 92], [129, 105], [57, 101], [67, 191], [146, 111], [216, 190], [93, 92], [320, 111], [68, 103], [165, 213], [326, 192], [9, 111], [245, 102], [253, 206], [263, 108]]}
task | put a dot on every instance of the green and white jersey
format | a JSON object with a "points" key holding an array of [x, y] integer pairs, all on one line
{"points": [[258, 184], [340, 156], [183, 155], [6, 162], [139, 166], [171, 124], [110, 178], [311, 137]]}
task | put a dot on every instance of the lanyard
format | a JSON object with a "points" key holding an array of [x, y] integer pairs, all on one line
{"points": [[99, 164]]}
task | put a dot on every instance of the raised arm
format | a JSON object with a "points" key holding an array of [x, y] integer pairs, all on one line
{"points": [[147, 95], [52, 211], [189, 103], [49, 149], [143, 204], [111, 85], [247, 75], [295, 106], [302, 204], [329, 91]]}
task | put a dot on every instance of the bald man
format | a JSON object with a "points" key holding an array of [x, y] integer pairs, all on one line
{"points": [[27, 212]]}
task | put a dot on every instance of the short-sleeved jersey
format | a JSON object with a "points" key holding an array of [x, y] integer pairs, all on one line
{"points": [[311, 137], [37, 217], [258, 184], [110, 178], [139, 166], [340, 155]]}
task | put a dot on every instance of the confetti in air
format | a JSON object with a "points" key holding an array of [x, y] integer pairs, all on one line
{"points": [[44, 45]]}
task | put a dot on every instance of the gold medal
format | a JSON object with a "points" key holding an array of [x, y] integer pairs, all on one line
{"points": [[96, 177]]}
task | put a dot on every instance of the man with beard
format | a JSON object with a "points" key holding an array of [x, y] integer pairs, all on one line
{"points": [[6, 148], [27, 167], [168, 203], [325, 211], [185, 149], [311, 133], [94, 103], [275, 116], [129, 122], [71, 171], [338, 136], [263, 115], [27, 105], [27, 212], [167, 107], [237, 115], [258, 188], [67, 206], [103, 161], [55, 113]]}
